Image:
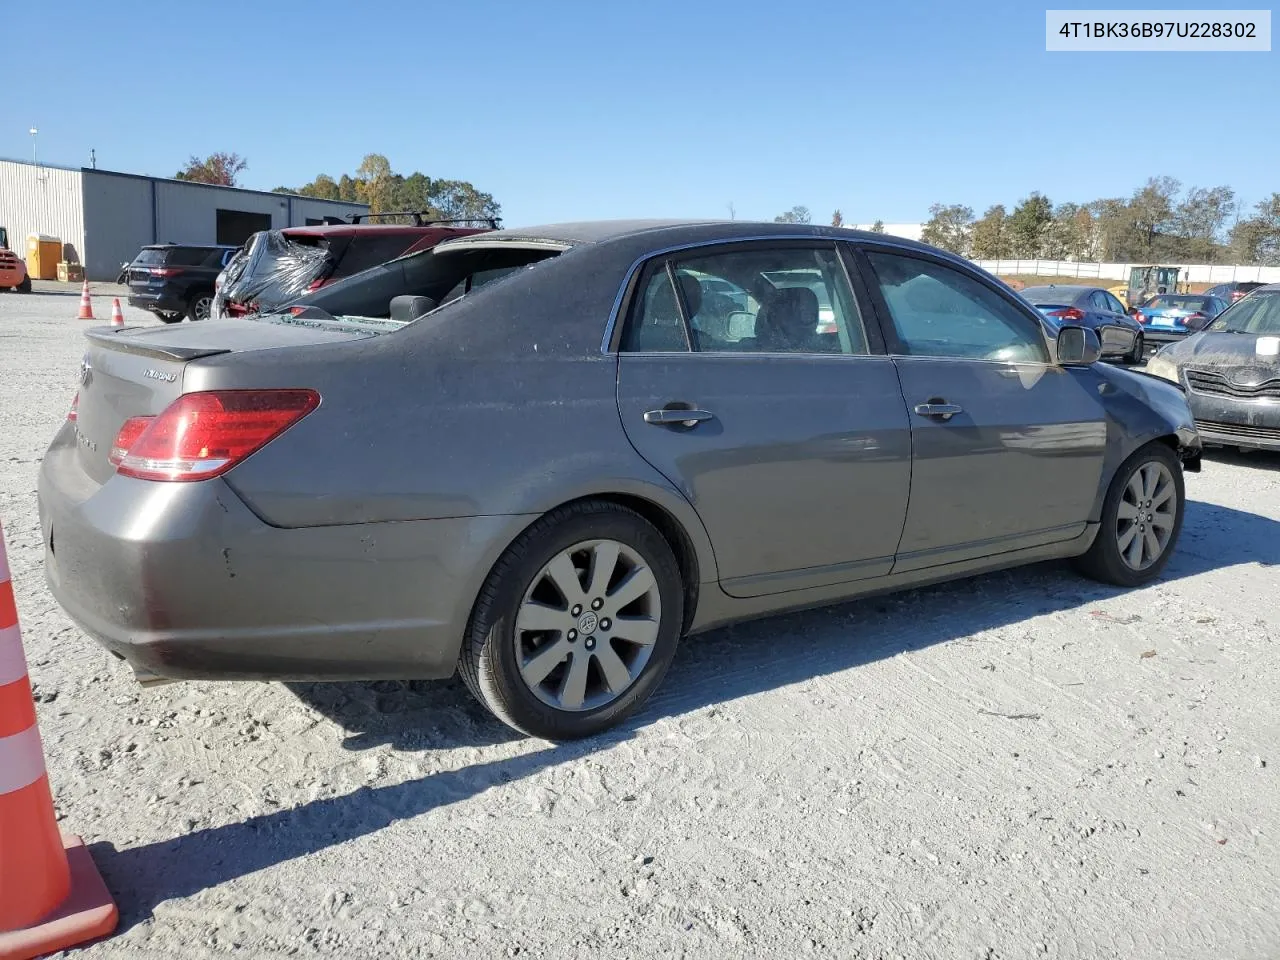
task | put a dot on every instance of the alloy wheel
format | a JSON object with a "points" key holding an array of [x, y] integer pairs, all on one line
{"points": [[1146, 515], [587, 625]]}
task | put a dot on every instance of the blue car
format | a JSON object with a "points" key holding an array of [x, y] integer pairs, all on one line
{"points": [[1172, 316]]}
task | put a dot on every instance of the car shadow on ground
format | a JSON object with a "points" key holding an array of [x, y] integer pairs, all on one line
{"points": [[748, 658], [1255, 459], [716, 667]]}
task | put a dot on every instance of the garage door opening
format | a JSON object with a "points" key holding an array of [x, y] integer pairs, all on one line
{"points": [[236, 226]]}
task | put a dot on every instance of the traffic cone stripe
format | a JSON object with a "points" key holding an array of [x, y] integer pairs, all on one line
{"points": [[13, 665], [21, 760]]}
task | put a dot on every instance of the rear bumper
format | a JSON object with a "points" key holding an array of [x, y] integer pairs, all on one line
{"points": [[1161, 337], [168, 302], [183, 581], [11, 276]]}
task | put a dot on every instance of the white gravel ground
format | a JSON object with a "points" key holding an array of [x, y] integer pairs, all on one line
{"points": [[1023, 765]]}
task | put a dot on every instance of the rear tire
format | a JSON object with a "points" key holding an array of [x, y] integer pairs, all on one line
{"points": [[1141, 519], [25, 285], [200, 306], [600, 655], [169, 317], [1139, 348]]}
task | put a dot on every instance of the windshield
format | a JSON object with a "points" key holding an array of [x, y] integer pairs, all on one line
{"points": [[173, 256], [1179, 303], [1258, 313]]}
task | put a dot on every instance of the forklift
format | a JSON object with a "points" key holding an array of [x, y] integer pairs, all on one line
{"points": [[1148, 282]]}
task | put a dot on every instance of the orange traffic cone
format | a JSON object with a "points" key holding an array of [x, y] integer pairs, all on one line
{"points": [[86, 308], [117, 315], [51, 895]]}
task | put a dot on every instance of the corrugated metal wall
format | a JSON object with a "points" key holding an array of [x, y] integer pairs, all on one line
{"points": [[124, 212], [103, 217], [117, 221], [42, 200]]}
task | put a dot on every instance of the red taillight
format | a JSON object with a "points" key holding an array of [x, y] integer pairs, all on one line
{"points": [[1187, 319], [1069, 313], [203, 435], [315, 284], [129, 433], [166, 271], [1139, 316], [73, 413]]}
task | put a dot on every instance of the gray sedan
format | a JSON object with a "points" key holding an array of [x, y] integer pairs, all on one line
{"points": [[541, 457]]}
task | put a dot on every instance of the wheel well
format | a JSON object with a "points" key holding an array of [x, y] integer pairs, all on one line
{"points": [[677, 539]]}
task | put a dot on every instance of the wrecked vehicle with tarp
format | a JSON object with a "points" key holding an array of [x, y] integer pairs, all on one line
{"points": [[278, 267]]}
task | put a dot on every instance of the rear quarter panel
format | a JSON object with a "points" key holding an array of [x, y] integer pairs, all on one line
{"points": [[403, 435]]}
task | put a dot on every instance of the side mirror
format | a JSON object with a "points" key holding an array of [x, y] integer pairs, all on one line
{"points": [[1077, 346]]}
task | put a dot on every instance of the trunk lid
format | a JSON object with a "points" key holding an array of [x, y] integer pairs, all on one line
{"points": [[138, 371]]}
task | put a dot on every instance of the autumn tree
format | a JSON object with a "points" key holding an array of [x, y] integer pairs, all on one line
{"points": [[217, 168], [837, 219], [948, 227]]}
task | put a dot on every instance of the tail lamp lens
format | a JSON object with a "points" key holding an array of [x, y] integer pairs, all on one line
{"points": [[203, 435]]}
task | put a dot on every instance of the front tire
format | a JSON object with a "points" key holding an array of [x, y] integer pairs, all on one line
{"points": [[576, 624], [1141, 519]]}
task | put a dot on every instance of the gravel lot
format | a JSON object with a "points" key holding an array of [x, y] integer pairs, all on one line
{"points": [[1023, 765]]}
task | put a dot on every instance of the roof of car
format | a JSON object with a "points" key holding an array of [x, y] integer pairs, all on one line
{"points": [[191, 246], [1073, 289], [664, 233], [390, 229]]}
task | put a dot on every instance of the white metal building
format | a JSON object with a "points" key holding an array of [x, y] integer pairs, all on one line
{"points": [[103, 217]]}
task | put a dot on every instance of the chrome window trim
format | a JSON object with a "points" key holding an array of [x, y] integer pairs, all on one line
{"points": [[816, 239]]}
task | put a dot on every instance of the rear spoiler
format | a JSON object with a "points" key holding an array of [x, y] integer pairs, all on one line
{"points": [[115, 338]]}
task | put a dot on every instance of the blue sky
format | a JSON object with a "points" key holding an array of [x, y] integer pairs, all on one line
{"points": [[568, 109]]}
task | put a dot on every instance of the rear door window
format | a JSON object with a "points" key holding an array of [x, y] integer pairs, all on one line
{"points": [[366, 250]]}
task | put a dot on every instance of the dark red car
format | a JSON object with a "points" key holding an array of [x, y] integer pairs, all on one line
{"points": [[277, 267]]}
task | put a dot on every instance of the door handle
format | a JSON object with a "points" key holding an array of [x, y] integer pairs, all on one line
{"points": [[944, 411], [675, 416]]}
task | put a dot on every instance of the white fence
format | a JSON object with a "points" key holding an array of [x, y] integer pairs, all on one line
{"points": [[1191, 273]]}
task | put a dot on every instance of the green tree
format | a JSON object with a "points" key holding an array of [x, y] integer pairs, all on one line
{"points": [[217, 168], [1151, 209], [1028, 223], [837, 219], [948, 227], [794, 215], [347, 189], [323, 187], [878, 227], [1198, 221], [1257, 239], [990, 238]]}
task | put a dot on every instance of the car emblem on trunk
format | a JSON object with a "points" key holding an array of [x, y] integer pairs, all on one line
{"points": [[153, 374]]}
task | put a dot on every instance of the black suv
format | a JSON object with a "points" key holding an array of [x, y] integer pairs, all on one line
{"points": [[174, 280]]}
